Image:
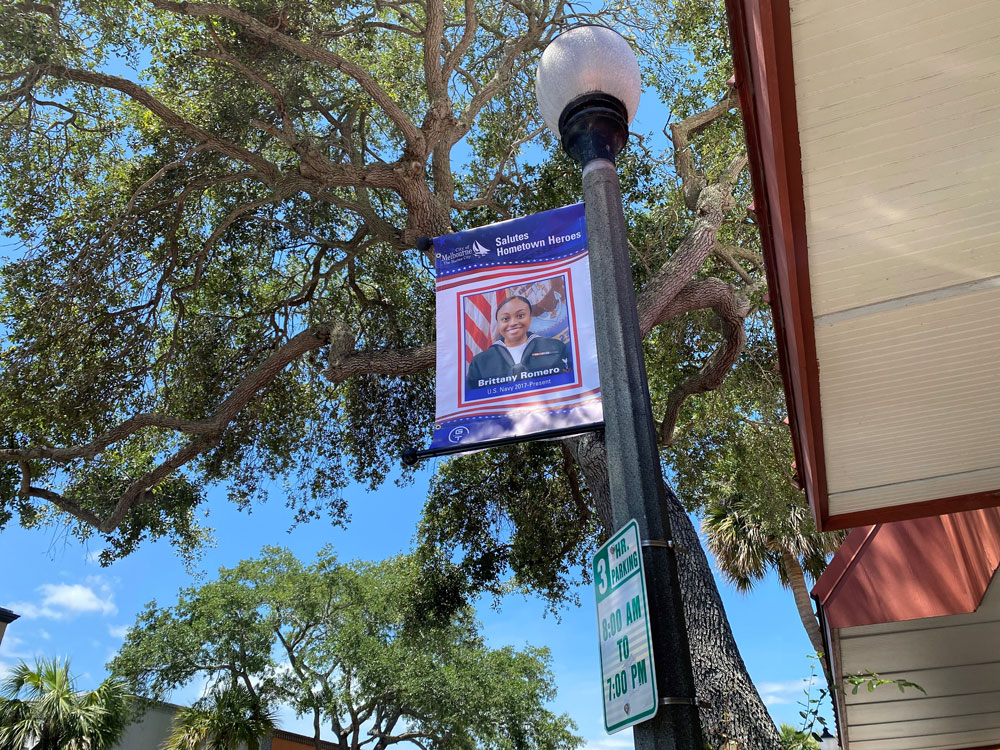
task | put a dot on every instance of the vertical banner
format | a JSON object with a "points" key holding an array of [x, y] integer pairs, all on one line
{"points": [[515, 330]]}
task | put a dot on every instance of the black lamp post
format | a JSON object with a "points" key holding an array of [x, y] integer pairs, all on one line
{"points": [[588, 88]]}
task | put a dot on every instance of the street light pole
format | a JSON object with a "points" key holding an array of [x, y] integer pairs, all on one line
{"points": [[588, 81], [634, 477]]}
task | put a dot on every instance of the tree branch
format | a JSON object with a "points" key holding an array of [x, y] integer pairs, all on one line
{"points": [[135, 196], [48, 10], [286, 190], [724, 253], [681, 134], [224, 56], [163, 112], [486, 198], [741, 252], [437, 90], [120, 432], [209, 432], [736, 166], [88, 517], [387, 362], [414, 137], [731, 310], [569, 467], [468, 34], [689, 257], [503, 73], [404, 737], [136, 492]]}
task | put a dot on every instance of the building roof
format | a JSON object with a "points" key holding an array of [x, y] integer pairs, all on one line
{"points": [[283, 740], [151, 730], [918, 601], [6, 616], [873, 131]]}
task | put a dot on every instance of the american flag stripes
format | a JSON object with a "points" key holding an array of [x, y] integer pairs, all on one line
{"points": [[480, 314]]}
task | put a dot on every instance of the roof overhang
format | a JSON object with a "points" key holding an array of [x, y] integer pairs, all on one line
{"points": [[874, 148], [919, 601], [6, 617]]}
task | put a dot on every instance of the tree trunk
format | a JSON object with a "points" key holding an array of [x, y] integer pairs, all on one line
{"points": [[317, 741], [736, 710], [797, 583]]}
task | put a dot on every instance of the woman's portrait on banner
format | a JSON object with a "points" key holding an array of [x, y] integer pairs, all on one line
{"points": [[517, 338]]}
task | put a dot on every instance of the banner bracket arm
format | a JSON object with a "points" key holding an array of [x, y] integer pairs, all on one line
{"points": [[412, 456]]}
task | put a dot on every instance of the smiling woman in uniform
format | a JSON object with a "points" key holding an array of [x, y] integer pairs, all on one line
{"points": [[518, 354]]}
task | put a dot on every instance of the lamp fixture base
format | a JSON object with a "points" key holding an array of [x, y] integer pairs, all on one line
{"points": [[594, 126]]}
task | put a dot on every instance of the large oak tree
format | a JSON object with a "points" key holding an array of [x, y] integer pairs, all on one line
{"points": [[342, 646], [216, 207]]}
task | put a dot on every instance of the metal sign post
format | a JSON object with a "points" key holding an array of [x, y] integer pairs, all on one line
{"points": [[634, 479]]}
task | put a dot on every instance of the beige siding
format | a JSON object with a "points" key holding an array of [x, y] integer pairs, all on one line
{"points": [[899, 121], [955, 659]]}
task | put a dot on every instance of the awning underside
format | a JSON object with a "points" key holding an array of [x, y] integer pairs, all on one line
{"points": [[899, 126]]}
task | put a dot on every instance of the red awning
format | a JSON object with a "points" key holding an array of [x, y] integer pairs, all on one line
{"points": [[919, 601]]}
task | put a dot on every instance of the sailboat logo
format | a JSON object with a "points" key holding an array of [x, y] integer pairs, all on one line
{"points": [[479, 250]]}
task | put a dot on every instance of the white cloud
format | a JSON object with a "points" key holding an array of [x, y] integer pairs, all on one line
{"points": [[93, 557], [118, 631], [27, 610], [11, 648], [44, 635], [788, 691], [76, 598], [63, 600]]}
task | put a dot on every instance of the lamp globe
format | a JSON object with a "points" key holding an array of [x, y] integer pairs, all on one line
{"points": [[588, 86]]}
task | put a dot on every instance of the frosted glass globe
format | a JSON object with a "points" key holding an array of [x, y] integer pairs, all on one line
{"points": [[586, 60]]}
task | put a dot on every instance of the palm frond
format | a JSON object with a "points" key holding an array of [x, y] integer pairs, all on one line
{"points": [[42, 707]]}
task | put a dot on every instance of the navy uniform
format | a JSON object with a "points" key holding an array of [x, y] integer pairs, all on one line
{"points": [[540, 354]]}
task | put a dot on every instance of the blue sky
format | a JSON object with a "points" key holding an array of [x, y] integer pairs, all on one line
{"points": [[72, 607]]}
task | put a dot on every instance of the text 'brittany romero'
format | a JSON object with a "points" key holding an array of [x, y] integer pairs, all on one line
{"points": [[522, 376]]}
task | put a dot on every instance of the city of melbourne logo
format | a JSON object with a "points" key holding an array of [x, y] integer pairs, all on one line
{"points": [[465, 252]]}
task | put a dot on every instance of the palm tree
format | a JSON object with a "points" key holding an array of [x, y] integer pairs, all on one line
{"points": [[748, 540], [231, 718], [41, 709]]}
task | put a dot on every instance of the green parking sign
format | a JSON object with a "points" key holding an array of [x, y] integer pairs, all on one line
{"points": [[627, 675]]}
